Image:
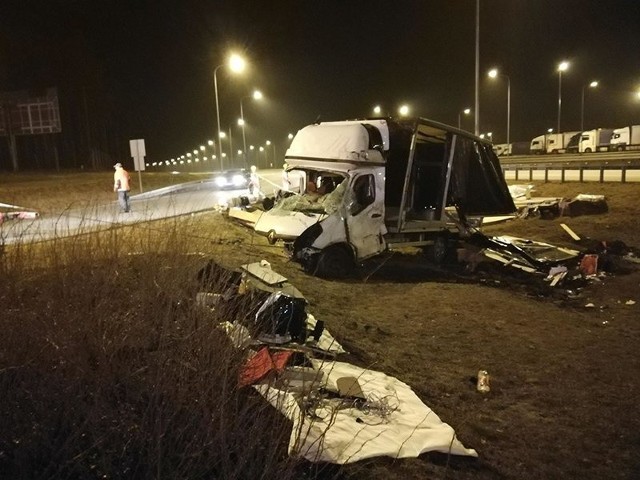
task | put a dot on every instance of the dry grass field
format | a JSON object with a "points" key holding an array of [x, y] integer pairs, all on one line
{"points": [[106, 371]]}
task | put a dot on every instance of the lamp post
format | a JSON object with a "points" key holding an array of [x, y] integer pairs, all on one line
{"points": [[593, 84], [403, 110], [256, 95], [236, 64], [493, 74], [466, 111], [562, 66], [230, 147], [377, 110]]}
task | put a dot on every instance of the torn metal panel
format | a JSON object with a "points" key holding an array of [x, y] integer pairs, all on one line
{"points": [[527, 255]]}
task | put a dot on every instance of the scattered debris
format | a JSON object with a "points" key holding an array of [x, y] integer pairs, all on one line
{"points": [[571, 233], [589, 265], [584, 204], [483, 381], [22, 215], [341, 413]]}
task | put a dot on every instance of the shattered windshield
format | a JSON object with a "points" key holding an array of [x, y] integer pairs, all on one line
{"points": [[322, 194]]}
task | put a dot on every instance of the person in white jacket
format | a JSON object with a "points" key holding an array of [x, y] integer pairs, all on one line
{"points": [[121, 185]]}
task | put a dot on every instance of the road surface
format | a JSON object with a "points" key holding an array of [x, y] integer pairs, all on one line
{"points": [[183, 199]]}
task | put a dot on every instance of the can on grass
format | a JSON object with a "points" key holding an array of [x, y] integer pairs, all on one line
{"points": [[483, 381]]}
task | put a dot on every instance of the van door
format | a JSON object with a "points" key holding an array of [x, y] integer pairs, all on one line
{"points": [[365, 213]]}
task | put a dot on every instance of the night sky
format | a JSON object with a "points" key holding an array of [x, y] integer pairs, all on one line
{"points": [[144, 69]]}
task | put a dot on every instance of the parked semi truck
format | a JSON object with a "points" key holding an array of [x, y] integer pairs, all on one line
{"points": [[551, 143], [382, 183], [515, 148], [596, 140], [626, 138]]}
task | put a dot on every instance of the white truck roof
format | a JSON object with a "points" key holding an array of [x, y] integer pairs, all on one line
{"points": [[348, 141]]}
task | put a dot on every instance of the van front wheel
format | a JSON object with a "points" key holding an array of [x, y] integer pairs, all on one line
{"points": [[334, 262]]}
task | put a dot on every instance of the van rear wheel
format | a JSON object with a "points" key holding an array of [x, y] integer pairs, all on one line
{"points": [[442, 249]]}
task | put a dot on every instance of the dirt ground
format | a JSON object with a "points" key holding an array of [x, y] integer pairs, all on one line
{"points": [[564, 376]]}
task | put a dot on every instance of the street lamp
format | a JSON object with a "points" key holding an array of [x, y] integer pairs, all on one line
{"points": [[236, 64], [267, 143], [466, 111], [562, 66], [493, 73], [256, 95], [593, 84], [377, 110], [404, 110]]}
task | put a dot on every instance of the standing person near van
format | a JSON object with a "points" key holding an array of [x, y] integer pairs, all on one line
{"points": [[286, 182], [254, 182], [122, 187]]}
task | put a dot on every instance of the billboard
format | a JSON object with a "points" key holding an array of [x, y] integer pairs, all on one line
{"points": [[29, 112]]}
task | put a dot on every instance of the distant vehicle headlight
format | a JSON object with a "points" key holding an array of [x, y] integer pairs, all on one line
{"points": [[238, 180], [220, 181]]}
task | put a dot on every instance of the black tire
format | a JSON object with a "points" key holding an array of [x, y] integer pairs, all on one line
{"points": [[267, 203], [621, 148], [442, 249], [334, 262], [587, 150], [271, 237]]}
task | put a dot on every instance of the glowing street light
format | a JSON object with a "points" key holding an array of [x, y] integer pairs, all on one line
{"points": [[593, 84], [267, 143], [404, 110], [377, 110], [562, 67], [549, 130], [290, 136], [494, 73], [466, 111], [236, 64]]}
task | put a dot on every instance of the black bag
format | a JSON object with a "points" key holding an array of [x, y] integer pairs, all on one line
{"points": [[282, 315]]}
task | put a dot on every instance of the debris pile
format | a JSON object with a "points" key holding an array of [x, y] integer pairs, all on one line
{"points": [[340, 413], [14, 212]]}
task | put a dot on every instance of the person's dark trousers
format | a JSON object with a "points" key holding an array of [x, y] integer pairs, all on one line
{"points": [[123, 200]]}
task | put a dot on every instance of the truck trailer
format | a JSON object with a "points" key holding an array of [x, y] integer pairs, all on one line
{"points": [[626, 138], [377, 184], [551, 143], [596, 140]]}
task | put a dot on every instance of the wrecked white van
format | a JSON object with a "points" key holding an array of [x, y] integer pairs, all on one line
{"points": [[375, 184]]}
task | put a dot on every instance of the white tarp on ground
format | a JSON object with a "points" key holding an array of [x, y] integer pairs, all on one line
{"points": [[392, 421]]}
